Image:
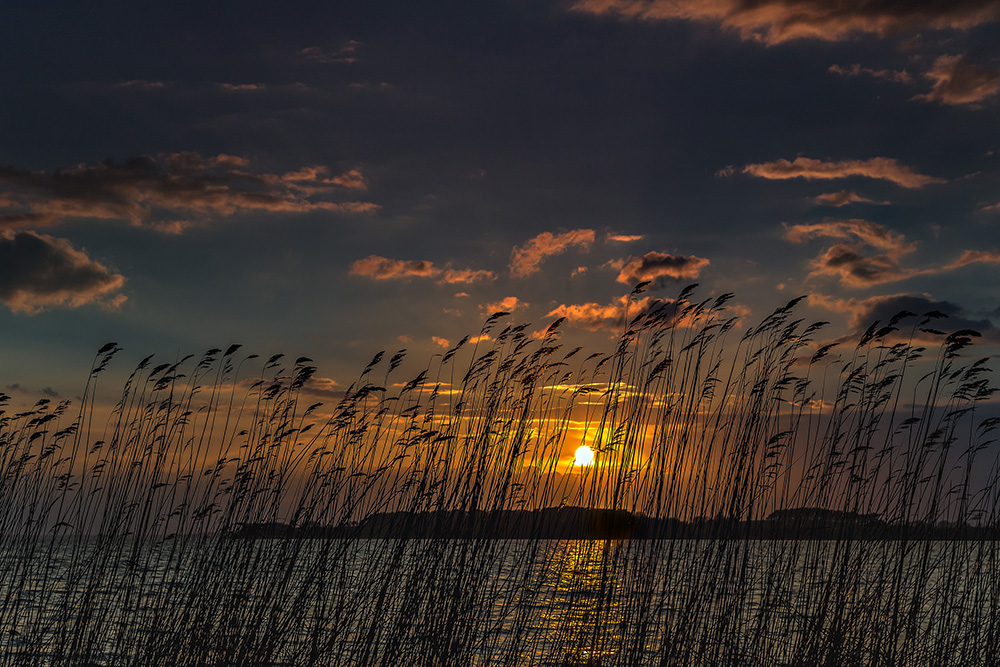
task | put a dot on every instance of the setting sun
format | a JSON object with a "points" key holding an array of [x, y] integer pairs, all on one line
{"points": [[584, 456]]}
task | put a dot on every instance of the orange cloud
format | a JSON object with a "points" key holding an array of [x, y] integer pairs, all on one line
{"points": [[869, 233], [507, 304], [975, 257], [594, 316], [959, 82], [443, 342], [383, 268], [38, 271], [624, 238], [810, 169], [526, 259], [843, 198], [776, 21], [170, 192], [657, 267]]}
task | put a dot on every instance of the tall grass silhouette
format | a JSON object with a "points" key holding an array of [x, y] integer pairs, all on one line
{"points": [[782, 502]]}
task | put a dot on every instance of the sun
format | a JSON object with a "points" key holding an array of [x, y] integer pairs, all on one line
{"points": [[584, 456]]}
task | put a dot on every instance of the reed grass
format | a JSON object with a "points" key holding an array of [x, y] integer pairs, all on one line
{"points": [[125, 530]]}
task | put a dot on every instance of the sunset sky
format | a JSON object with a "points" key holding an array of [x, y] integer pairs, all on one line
{"points": [[331, 179]]}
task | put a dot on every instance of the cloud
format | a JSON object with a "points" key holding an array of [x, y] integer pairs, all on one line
{"points": [[894, 75], [443, 342], [344, 54], [843, 198], [776, 21], [507, 304], [169, 192], [869, 233], [624, 238], [864, 312], [991, 208], [959, 82], [38, 271], [848, 261], [855, 268], [383, 268], [526, 259], [658, 267], [594, 316], [975, 257], [810, 169], [142, 84]]}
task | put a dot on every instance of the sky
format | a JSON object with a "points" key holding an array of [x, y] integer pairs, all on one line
{"points": [[332, 179]]}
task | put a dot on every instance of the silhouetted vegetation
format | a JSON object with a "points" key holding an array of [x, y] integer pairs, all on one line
{"points": [[824, 505]]}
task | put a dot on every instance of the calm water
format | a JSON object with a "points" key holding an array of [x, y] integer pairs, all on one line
{"points": [[284, 602]]}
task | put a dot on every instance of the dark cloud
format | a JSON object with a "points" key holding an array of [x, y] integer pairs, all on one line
{"points": [[658, 268], [882, 168], [775, 21], [959, 82], [850, 262], [38, 271], [857, 270], [856, 266], [864, 312], [169, 192]]}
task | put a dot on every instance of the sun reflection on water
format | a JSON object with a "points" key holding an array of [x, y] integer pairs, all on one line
{"points": [[582, 614]]}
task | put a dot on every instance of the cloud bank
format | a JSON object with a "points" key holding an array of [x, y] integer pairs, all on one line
{"points": [[169, 192]]}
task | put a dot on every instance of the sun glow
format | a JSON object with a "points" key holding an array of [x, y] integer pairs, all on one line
{"points": [[584, 456]]}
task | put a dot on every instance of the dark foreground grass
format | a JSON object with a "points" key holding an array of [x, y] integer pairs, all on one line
{"points": [[119, 526]]}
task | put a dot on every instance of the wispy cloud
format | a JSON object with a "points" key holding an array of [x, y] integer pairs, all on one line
{"points": [[882, 168], [959, 82], [624, 238], [776, 21], [345, 54], [869, 233], [38, 271], [843, 198], [658, 267], [975, 257], [526, 260], [894, 75], [383, 268], [169, 192]]}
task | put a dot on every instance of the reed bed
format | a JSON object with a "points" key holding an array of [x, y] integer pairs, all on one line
{"points": [[217, 515]]}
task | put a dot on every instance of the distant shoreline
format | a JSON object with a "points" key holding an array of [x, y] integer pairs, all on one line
{"points": [[579, 523]]}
